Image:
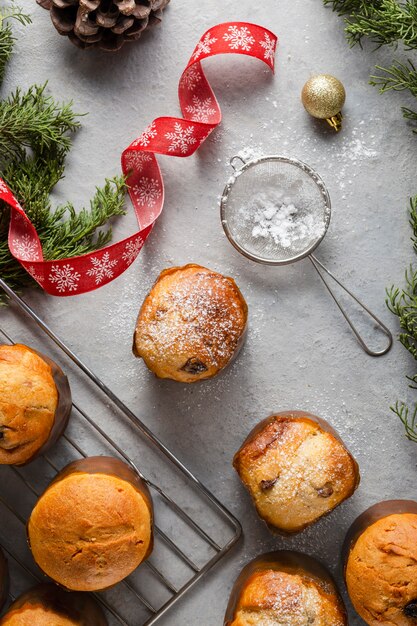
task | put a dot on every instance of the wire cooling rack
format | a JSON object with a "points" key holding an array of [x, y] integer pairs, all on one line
{"points": [[193, 530]]}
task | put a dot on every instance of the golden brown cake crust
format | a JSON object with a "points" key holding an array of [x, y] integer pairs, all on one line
{"points": [[381, 570], [296, 469], [48, 605], [93, 525], [28, 402], [35, 616], [266, 595], [191, 324]]}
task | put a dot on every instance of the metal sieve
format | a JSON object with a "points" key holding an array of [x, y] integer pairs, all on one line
{"points": [[276, 210]]}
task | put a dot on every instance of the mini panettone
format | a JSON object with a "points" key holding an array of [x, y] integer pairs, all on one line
{"points": [[48, 605], [191, 325], [296, 469], [93, 525], [4, 579], [285, 589], [35, 404], [380, 556]]}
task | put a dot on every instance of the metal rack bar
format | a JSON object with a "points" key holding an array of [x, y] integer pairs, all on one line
{"points": [[175, 591], [22, 565]]}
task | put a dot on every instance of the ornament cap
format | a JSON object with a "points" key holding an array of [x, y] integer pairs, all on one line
{"points": [[335, 121]]}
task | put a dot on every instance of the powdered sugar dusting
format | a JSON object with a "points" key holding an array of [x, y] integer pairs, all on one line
{"points": [[198, 315], [289, 601]]}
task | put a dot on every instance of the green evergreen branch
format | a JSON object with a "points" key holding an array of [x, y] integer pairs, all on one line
{"points": [[398, 77], [349, 7], [384, 22], [63, 232], [387, 23], [13, 12], [34, 142], [413, 220], [410, 115], [34, 120], [403, 304], [408, 419], [6, 34], [79, 234]]}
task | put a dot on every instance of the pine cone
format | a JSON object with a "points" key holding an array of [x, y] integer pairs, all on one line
{"points": [[104, 24]]}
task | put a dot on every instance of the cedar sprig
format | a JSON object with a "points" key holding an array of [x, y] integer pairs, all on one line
{"points": [[6, 34], [408, 419], [35, 138], [411, 115], [78, 233], [63, 232], [384, 22], [34, 120], [403, 303], [350, 7], [398, 77]]}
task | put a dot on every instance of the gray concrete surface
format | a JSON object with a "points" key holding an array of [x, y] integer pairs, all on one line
{"points": [[299, 353]]}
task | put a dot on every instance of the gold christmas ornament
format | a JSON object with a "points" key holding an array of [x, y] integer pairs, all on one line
{"points": [[323, 96]]}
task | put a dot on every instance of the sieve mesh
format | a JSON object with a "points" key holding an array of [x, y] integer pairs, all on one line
{"points": [[275, 210]]}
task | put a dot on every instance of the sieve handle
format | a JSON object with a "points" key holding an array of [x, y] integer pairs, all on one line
{"points": [[318, 267], [233, 160]]}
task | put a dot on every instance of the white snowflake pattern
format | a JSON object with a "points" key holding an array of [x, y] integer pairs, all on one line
{"points": [[102, 268], [201, 109], [26, 248], [3, 186], [191, 78], [65, 277], [132, 249], [136, 160], [147, 191], [239, 38], [20, 220], [149, 133], [181, 139], [204, 45], [269, 45], [37, 277]]}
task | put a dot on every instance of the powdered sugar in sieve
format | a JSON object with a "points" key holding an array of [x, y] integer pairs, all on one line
{"points": [[275, 210]]}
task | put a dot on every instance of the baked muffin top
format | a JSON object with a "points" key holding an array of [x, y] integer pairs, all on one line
{"points": [[272, 598], [381, 571], [36, 616], [190, 324], [28, 401], [48, 605], [295, 470], [88, 531]]}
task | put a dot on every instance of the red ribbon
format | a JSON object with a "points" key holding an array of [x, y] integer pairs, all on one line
{"points": [[165, 135]]}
